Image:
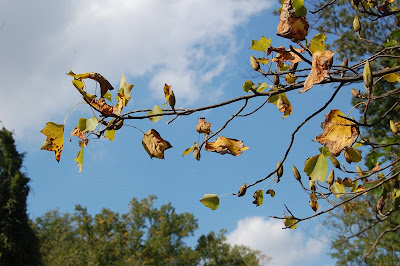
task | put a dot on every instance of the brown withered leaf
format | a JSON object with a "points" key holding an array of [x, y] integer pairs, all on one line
{"points": [[154, 144], [290, 26], [76, 132], [321, 63], [284, 55], [203, 126], [102, 106], [338, 133], [223, 145], [104, 84]]}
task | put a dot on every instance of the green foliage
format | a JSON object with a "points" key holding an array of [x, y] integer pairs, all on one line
{"points": [[144, 236], [18, 244]]}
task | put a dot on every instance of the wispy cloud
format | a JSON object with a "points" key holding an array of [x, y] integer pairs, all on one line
{"points": [[286, 247], [186, 43]]}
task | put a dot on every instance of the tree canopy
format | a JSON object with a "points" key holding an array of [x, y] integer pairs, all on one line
{"points": [[146, 235]]}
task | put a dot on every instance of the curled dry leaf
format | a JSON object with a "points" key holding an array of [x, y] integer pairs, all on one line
{"points": [[258, 197], [169, 95], [338, 133], [313, 202], [321, 63], [104, 84], [55, 138], [290, 26], [284, 55], [242, 190], [154, 144], [203, 126], [79, 156], [76, 132], [224, 145]]}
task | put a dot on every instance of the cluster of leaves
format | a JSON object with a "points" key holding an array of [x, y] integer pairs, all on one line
{"points": [[340, 133], [144, 236]]}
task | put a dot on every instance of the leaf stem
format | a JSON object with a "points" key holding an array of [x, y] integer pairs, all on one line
{"points": [[65, 119]]}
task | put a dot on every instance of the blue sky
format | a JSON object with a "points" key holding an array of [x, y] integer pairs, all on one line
{"points": [[201, 48]]}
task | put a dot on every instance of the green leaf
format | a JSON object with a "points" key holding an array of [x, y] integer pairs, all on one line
{"points": [[79, 156], [258, 197], [261, 87], [316, 167], [155, 111], [301, 10], [317, 43], [108, 96], [338, 189], [86, 125], [324, 151], [110, 134], [290, 222], [248, 85], [211, 201], [261, 45], [284, 68]]}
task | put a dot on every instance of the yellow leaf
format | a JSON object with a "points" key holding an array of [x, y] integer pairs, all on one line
{"points": [[155, 111], [258, 197], [225, 145], [188, 150], [104, 84], [154, 144], [392, 77], [203, 126], [317, 43], [110, 134], [55, 138], [313, 202], [125, 88], [338, 133], [79, 156], [290, 222], [321, 63], [291, 78], [338, 189], [169, 95], [211, 201]]}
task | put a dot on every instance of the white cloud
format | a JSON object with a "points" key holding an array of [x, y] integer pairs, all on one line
{"points": [[286, 247], [186, 43]]}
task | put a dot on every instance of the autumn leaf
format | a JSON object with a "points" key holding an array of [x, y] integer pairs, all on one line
{"points": [[290, 222], [338, 133], [110, 134], [290, 78], [242, 190], [155, 111], [392, 77], [313, 202], [338, 189], [292, 26], [104, 84], [284, 55], [102, 106], [317, 43], [248, 85], [316, 167], [125, 89], [261, 45], [270, 192], [203, 126], [225, 145], [282, 103], [352, 155], [169, 96], [321, 63], [154, 144], [79, 156], [258, 197], [211, 201], [55, 138]]}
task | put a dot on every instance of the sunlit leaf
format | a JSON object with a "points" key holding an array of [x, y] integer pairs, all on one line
{"points": [[290, 78], [86, 125], [211, 201], [292, 27], [225, 145], [316, 167], [125, 89], [155, 111], [338, 133], [110, 134], [248, 85], [290, 222], [54, 138], [282, 103], [262, 60], [392, 77], [104, 84], [154, 144], [258, 197], [79, 156], [169, 95], [261, 45], [261, 87], [203, 126], [317, 43], [188, 150], [242, 190], [108, 96], [338, 189], [321, 63]]}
